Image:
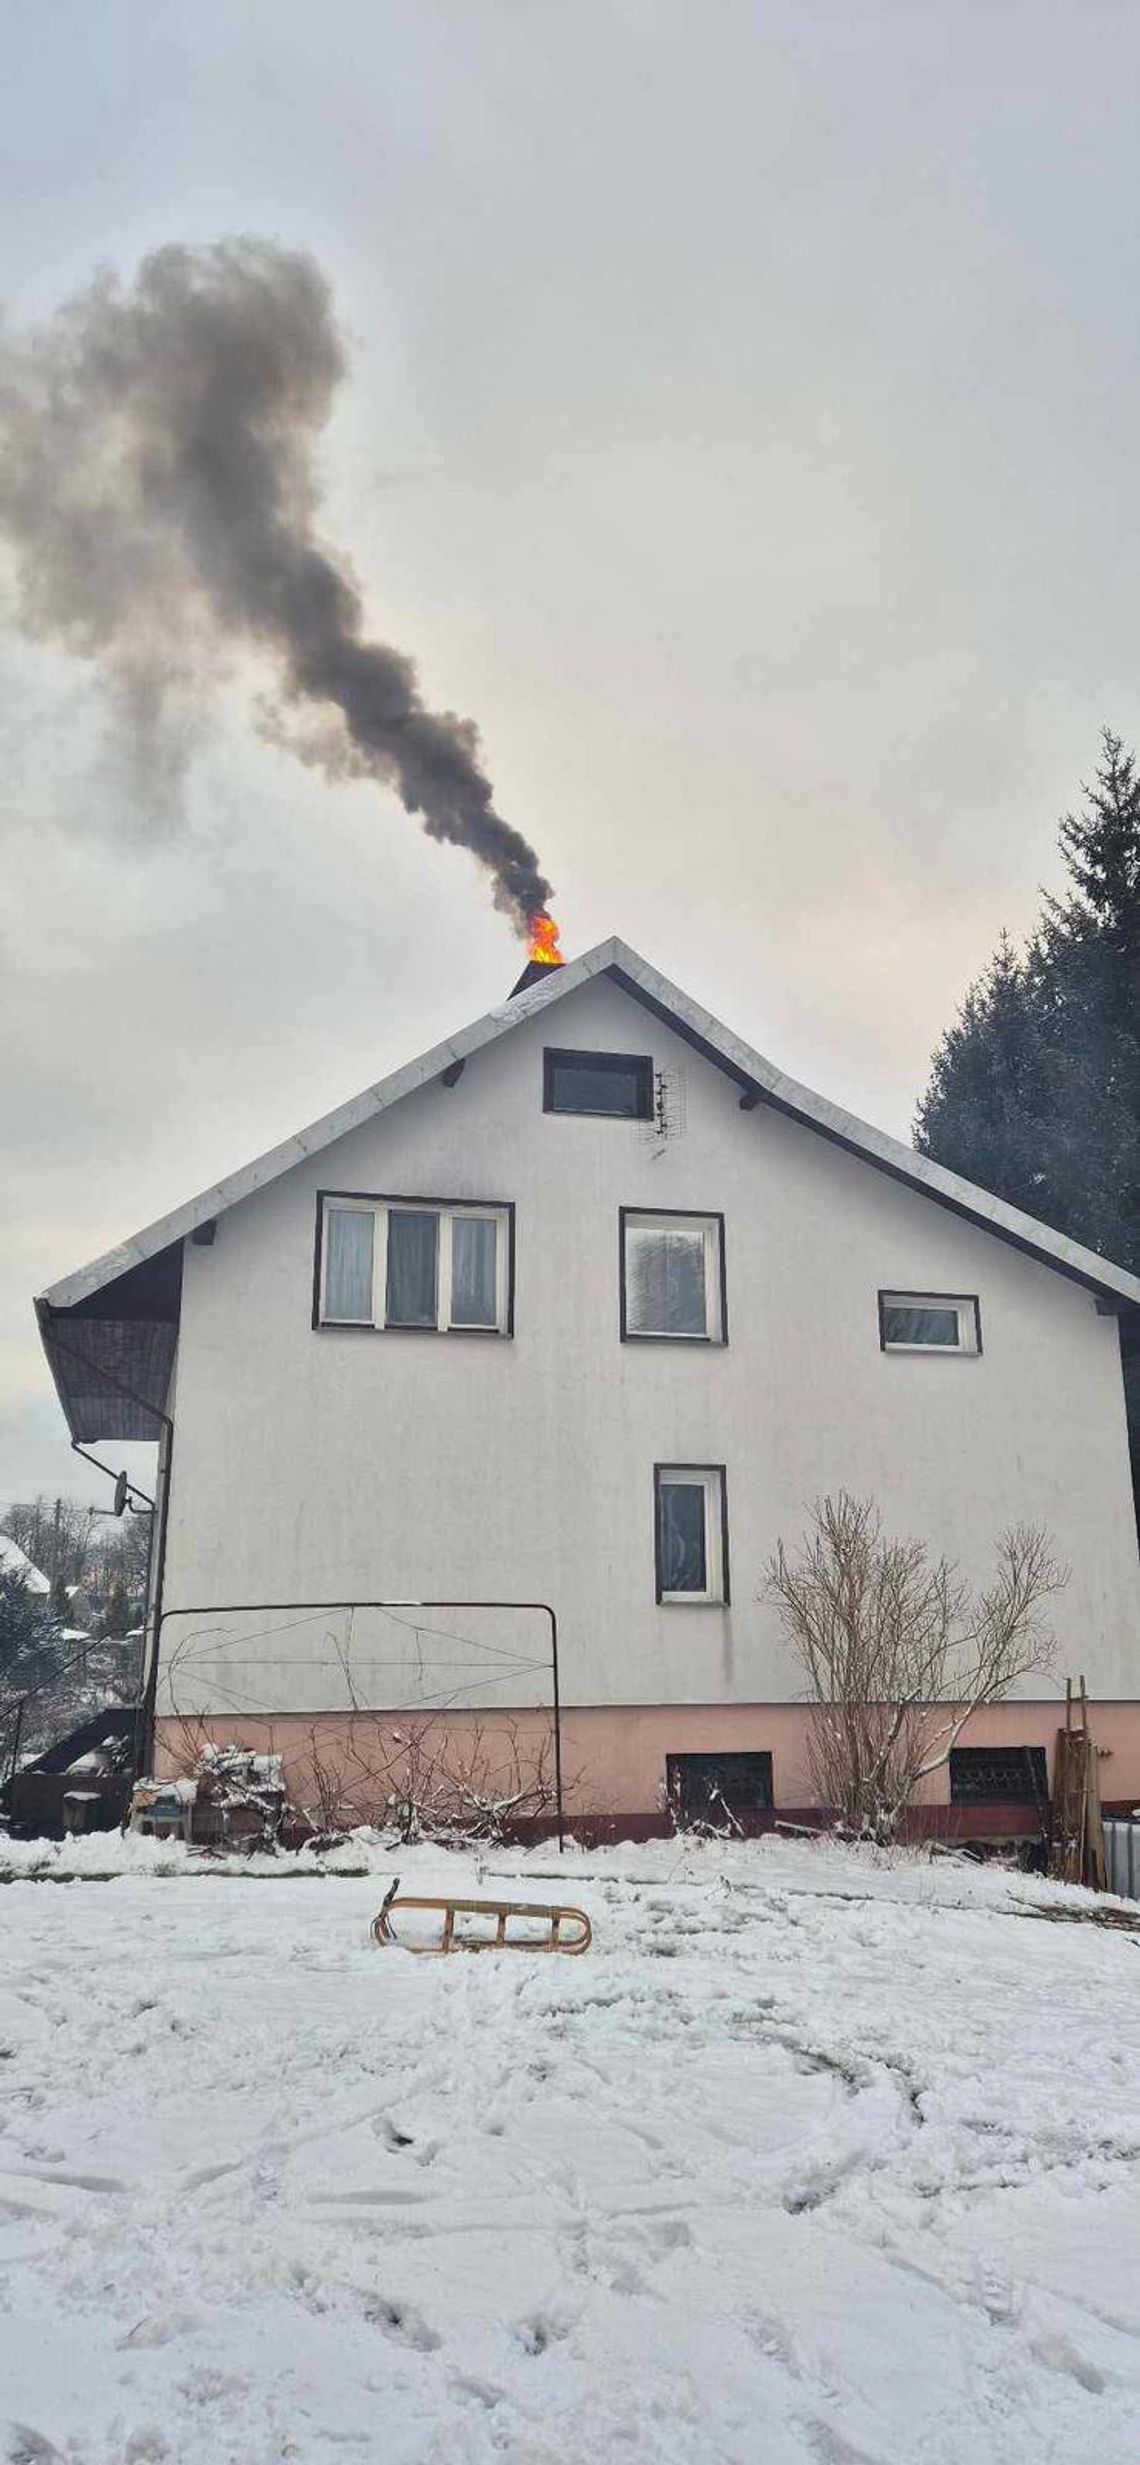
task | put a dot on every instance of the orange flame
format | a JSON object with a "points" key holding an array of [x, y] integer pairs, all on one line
{"points": [[543, 950]]}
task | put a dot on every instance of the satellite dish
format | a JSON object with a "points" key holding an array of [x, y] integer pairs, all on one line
{"points": [[121, 1487]]}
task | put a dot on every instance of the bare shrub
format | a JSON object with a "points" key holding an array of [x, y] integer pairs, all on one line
{"points": [[899, 1652], [424, 1781], [502, 1779]]}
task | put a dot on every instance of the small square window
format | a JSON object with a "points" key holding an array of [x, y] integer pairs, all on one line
{"points": [[617, 1085], [672, 1276], [388, 1263], [929, 1322], [719, 1789], [993, 1775], [691, 1533]]}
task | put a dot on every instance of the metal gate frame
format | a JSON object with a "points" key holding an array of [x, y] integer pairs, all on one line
{"points": [[221, 1609]]}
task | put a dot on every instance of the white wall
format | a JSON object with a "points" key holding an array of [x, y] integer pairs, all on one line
{"points": [[333, 1463]]}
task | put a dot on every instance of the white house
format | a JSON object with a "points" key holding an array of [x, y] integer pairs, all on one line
{"points": [[15, 1561], [584, 1309]]}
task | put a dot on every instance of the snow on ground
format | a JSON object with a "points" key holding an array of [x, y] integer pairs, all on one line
{"points": [[814, 2159]]}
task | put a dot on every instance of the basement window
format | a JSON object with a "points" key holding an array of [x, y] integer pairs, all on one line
{"points": [[617, 1085], [929, 1322], [718, 1789], [691, 1533], [992, 1775], [389, 1263], [672, 1276]]}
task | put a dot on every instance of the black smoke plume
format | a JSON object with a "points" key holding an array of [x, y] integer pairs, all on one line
{"points": [[157, 483]]}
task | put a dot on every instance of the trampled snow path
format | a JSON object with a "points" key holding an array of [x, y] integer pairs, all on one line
{"points": [[803, 2164]]}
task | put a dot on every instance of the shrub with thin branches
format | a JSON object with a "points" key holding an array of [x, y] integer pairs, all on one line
{"points": [[899, 1652]]}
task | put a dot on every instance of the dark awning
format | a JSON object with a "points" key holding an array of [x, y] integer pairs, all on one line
{"points": [[111, 1356]]}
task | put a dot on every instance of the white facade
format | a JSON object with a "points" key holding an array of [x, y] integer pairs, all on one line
{"points": [[315, 1463]]}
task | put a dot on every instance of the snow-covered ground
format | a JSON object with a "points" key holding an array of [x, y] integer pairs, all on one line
{"points": [[813, 2160]]}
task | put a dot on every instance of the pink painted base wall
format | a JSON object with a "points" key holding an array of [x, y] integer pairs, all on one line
{"points": [[613, 1760]]}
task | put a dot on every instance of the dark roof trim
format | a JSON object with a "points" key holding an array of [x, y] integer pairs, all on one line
{"points": [[111, 1356]]}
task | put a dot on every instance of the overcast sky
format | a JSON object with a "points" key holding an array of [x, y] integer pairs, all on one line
{"points": [[741, 428]]}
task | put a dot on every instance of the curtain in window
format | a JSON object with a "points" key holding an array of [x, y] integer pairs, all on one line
{"points": [[348, 1263], [909, 1324], [665, 1280], [473, 1295], [681, 1536], [413, 1249]]}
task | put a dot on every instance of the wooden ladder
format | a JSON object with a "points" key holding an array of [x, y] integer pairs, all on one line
{"points": [[1078, 1828]]}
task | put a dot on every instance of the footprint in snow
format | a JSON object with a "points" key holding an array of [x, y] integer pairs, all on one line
{"points": [[386, 2130], [29, 2447], [399, 2320], [543, 2329], [1058, 2353], [481, 2391]]}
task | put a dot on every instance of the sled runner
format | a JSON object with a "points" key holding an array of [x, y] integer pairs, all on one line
{"points": [[566, 1930]]}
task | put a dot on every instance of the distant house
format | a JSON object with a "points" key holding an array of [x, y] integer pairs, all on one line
{"points": [[15, 1561], [584, 1308]]}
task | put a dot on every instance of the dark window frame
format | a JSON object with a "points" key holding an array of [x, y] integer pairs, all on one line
{"points": [[967, 1761], [682, 1215], [678, 1600], [675, 1780], [613, 1065], [890, 1293], [504, 1207]]}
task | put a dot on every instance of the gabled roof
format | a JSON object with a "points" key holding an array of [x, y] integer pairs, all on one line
{"points": [[89, 1292], [15, 1561]]}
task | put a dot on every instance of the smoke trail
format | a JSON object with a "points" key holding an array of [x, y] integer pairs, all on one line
{"points": [[157, 483]]}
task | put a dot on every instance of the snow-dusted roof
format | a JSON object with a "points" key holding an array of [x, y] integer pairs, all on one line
{"points": [[15, 1561], [761, 1081]]}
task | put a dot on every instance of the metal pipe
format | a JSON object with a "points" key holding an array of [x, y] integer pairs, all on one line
{"points": [[223, 1609], [17, 1733], [105, 1469], [144, 1735], [557, 1727]]}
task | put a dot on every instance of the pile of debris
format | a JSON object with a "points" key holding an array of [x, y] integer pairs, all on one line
{"points": [[231, 1800]]}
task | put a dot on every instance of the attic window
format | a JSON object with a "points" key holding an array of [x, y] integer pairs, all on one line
{"points": [[929, 1322], [614, 1085], [388, 1263]]}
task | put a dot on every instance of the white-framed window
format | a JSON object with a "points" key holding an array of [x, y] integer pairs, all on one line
{"points": [[691, 1533], [929, 1322], [672, 1276], [408, 1262]]}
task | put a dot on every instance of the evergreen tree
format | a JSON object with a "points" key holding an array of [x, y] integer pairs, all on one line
{"points": [[1035, 1090], [117, 1613], [29, 1647], [992, 1087]]}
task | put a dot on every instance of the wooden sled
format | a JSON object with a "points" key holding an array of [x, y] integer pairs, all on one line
{"points": [[567, 1930]]}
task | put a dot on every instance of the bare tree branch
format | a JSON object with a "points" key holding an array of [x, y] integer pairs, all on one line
{"points": [[898, 1654]]}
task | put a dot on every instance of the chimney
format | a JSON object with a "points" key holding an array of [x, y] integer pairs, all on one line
{"points": [[536, 971]]}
